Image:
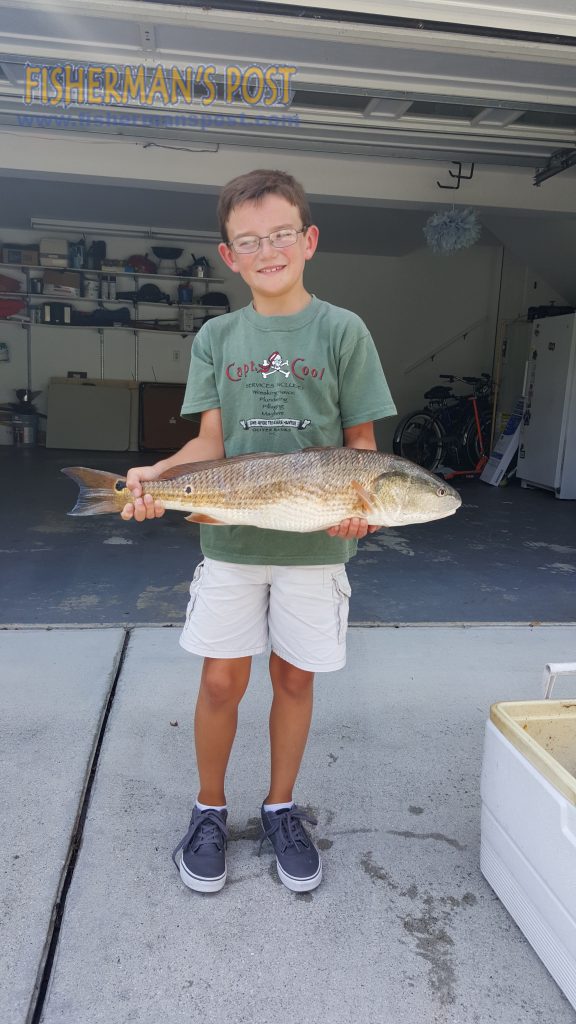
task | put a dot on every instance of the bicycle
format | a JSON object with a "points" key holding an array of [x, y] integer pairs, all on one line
{"points": [[447, 429]]}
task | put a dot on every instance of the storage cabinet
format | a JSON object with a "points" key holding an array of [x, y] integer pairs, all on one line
{"points": [[89, 415], [161, 427], [135, 352]]}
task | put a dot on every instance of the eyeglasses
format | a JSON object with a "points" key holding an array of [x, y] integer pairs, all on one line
{"points": [[280, 239]]}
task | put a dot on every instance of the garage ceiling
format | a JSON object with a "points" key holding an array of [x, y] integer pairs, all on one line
{"points": [[385, 97], [521, 16], [396, 88]]}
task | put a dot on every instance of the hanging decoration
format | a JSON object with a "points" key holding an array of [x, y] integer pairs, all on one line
{"points": [[446, 231]]}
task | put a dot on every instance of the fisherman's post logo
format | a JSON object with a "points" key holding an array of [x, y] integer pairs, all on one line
{"points": [[200, 96]]}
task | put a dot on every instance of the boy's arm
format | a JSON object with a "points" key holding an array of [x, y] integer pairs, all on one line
{"points": [[360, 436], [209, 444]]}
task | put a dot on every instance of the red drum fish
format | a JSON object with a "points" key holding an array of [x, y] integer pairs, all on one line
{"points": [[302, 491]]}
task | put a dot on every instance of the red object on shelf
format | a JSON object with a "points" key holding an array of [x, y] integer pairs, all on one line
{"points": [[9, 284], [141, 264], [8, 307]]}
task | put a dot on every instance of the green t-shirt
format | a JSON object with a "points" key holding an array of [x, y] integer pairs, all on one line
{"points": [[282, 383]]}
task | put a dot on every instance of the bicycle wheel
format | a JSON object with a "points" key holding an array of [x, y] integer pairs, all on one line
{"points": [[471, 441], [418, 437]]}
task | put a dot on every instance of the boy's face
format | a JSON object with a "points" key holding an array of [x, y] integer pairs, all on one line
{"points": [[269, 272]]}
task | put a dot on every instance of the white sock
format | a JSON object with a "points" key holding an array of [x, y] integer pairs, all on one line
{"points": [[269, 808], [210, 807]]}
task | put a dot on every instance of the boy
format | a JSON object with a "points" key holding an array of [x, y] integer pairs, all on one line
{"points": [[285, 372]]}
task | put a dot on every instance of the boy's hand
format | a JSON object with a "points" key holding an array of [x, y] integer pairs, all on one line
{"points": [[352, 529], [143, 507]]}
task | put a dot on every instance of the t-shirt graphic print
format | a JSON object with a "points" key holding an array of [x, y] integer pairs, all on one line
{"points": [[282, 383]]}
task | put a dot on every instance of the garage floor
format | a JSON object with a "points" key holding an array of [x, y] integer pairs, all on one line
{"points": [[97, 751], [404, 927], [509, 554]]}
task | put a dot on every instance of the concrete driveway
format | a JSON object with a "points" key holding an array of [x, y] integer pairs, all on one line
{"points": [[98, 782]]}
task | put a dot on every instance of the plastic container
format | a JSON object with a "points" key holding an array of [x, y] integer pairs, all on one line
{"points": [[186, 319], [91, 289], [528, 826], [24, 427]]}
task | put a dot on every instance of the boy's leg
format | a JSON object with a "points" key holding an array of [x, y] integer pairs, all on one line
{"points": [[202, 861], [297, 859], [308, 618], [290, 718], [226, 623], [222, 686]]}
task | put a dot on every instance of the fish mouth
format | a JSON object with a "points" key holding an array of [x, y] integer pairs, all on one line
{"points": [[425, 518], [449, 512]]}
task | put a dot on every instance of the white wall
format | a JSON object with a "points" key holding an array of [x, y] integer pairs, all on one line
{"points": [[523, 287], [398, 182], [412, 305]]}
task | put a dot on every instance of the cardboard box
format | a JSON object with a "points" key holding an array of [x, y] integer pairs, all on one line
{"points": [[505, 448], [53, 252], [66, 283], [20, 254]]}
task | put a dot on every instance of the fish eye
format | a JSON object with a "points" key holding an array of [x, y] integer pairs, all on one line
{"points": [[441, 492], [187, 490], [120, 485]]}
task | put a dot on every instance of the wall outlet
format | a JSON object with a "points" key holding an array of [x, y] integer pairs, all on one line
{"points": [[176, 355]]}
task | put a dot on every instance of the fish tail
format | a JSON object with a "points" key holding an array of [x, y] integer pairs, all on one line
{"points": [[100, 492]]}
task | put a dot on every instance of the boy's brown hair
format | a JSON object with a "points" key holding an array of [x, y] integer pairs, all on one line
{"points": [[251, 187]]}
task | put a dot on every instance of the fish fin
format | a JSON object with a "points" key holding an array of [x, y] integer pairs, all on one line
{"points": [[195, 467], [99, 491], [199, 517], [365, 496]]}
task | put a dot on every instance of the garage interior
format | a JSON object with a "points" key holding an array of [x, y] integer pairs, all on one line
{"points": [[380, 119], [398, 112]]}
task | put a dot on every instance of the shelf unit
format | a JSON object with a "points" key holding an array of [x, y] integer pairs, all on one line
{"points": [[35, 299]]}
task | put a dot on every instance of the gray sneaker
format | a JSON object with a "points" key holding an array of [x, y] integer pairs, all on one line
{"points": [[202, 863], [297, 859]]}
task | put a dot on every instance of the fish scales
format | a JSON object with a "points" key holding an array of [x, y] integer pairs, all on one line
{"points": [[302, 491]]}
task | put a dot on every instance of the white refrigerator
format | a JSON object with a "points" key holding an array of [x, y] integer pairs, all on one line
{"points": [[547, 450]]}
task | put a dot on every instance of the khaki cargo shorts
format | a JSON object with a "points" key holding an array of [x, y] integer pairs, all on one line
{"points": [[237, 610]]}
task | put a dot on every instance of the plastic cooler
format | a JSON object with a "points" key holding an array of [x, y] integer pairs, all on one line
{"points": [[528, 826]]}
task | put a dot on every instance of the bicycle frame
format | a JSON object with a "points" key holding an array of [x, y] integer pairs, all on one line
{"points": [[477, 469], [445, 432]]}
